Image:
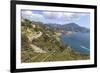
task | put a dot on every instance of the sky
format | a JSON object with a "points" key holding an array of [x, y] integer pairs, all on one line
{"points": [[57, 17]]}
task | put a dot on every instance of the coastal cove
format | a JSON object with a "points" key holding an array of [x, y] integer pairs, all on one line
{"points": [[79, 41]]}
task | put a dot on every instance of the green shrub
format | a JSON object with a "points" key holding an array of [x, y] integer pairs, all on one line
{"points": [[24, 41]]}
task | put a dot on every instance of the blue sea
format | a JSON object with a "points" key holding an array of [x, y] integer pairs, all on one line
{"points": [[79, 41]]}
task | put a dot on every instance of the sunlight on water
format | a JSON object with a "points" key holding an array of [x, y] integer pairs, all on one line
{"points": [[84, 47]]}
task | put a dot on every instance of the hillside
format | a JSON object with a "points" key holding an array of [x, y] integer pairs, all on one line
{"points": [[68, 27], [39, 43]]}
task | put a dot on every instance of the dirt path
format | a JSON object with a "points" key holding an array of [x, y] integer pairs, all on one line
{"points": [[37, 49], [34, 36]]}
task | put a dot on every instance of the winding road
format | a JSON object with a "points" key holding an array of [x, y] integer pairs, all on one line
{"points": [[35, 36]]}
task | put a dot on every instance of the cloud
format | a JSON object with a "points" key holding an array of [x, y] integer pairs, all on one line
{"points": [[52, 17], [62, 16], [27, 12], [32, 16]]}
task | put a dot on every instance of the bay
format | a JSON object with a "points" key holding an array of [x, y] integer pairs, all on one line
{"points": [[79, 41]]}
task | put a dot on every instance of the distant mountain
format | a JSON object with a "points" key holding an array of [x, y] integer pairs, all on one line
{"points": [[74, 27], [68, 27]]}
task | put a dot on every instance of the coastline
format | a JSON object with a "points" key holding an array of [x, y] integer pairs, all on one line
{"points": [[81, 47]]}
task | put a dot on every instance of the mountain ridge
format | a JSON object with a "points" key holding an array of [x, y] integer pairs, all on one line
{"points": [[69, 27]]}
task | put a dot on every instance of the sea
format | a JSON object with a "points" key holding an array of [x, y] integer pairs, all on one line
{"points": [[79, 41]]}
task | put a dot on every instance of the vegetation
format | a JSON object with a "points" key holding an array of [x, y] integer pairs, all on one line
{"points": [[51, 49]]}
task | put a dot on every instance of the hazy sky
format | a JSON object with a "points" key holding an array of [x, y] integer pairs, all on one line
{"points": [[82, 19]]}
